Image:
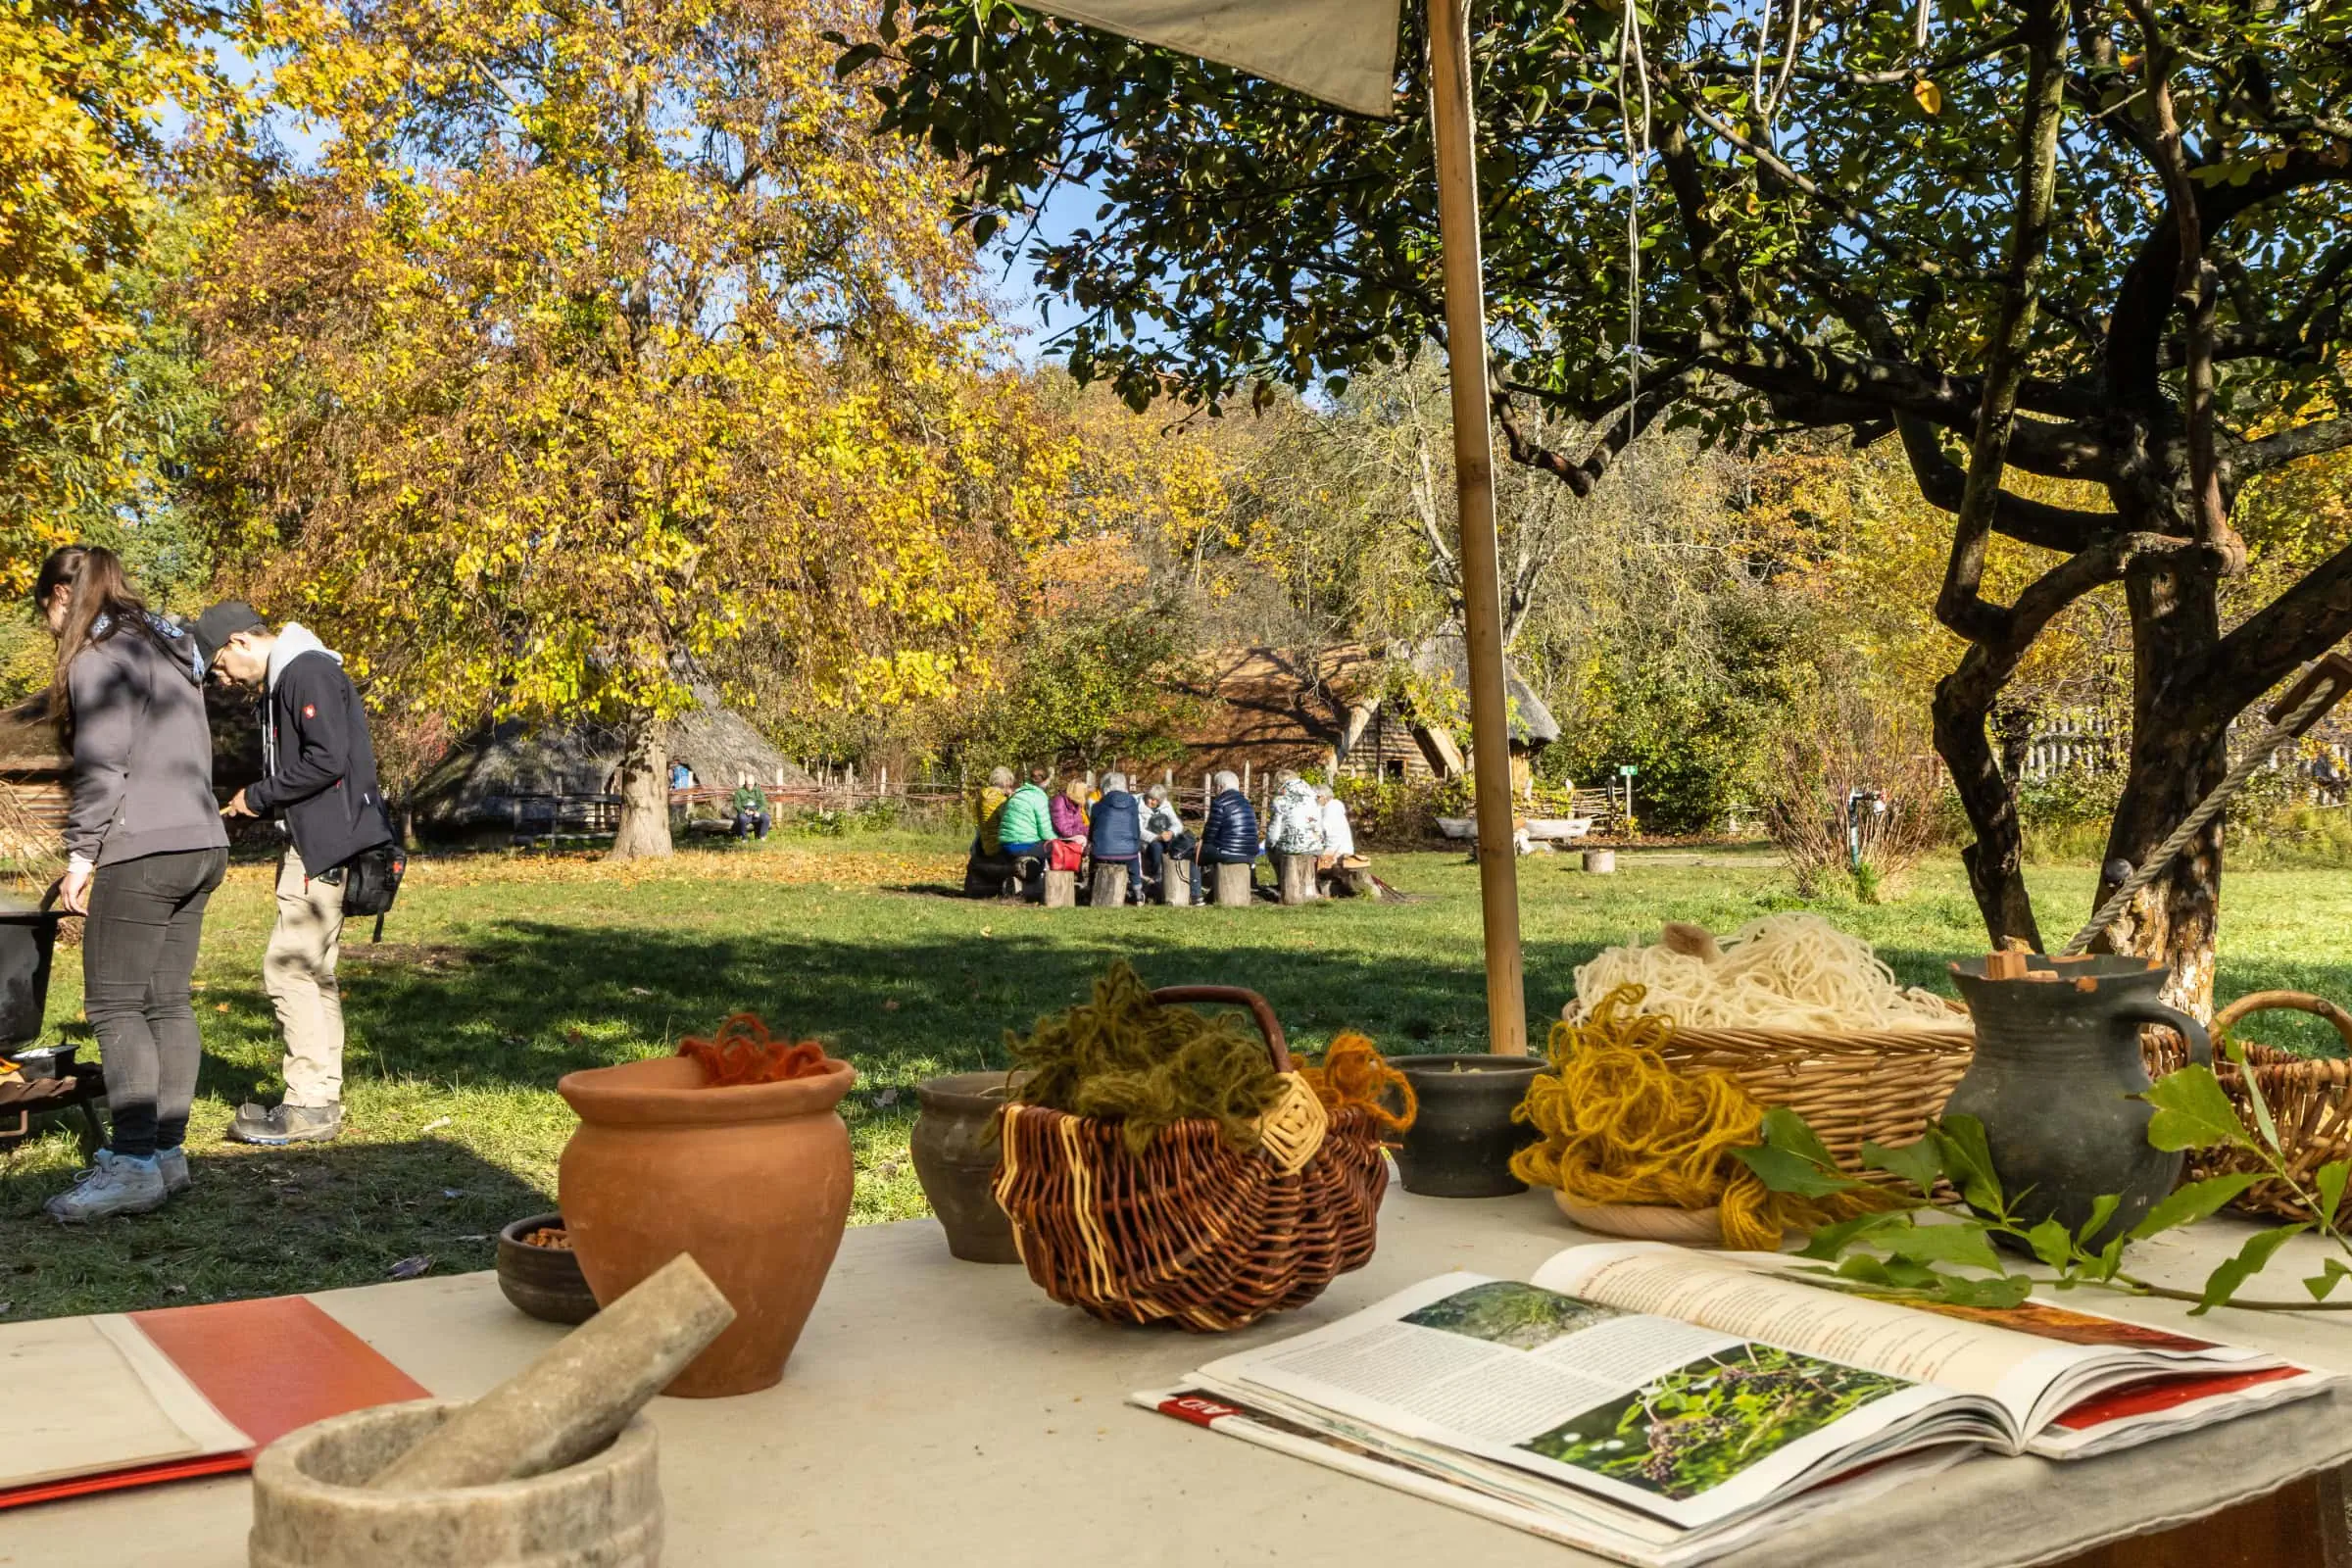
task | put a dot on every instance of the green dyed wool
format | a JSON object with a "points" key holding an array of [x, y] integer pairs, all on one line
{"points": [[1123, 1058]]}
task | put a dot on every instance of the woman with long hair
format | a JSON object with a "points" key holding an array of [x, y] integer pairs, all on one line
{"points": [[145, 847]]}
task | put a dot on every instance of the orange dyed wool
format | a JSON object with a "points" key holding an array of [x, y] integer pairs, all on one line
{"points": [[743, 1051]]}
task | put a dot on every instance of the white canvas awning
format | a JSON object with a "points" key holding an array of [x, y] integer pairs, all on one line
{"points": [[1342, 51]]}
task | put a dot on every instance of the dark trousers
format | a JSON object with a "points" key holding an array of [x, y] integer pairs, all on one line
{"points": [[1157, 854], [139, 949], [751, 822]]}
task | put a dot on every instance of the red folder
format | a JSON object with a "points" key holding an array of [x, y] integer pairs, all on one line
{"points": [[268, 1366]]}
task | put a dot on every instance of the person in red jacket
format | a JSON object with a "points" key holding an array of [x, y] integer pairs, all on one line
{"points": [[318, 781]]}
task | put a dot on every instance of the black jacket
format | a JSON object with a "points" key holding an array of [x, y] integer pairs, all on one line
{"points": [[1231, 832], [322, 764]]}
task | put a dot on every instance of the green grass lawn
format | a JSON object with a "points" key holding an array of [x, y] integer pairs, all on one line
{"points": [[499, 975]]}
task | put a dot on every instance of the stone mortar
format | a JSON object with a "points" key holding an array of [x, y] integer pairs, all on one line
{"points": [[312, 1508]]}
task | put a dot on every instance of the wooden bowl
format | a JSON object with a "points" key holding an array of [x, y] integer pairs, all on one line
{"points": [[543, 1282], [1645, 1222]]}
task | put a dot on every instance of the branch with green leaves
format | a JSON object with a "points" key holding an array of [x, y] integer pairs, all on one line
{"points": [[1922, 1245]]}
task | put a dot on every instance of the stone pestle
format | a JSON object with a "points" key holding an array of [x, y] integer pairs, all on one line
{"points": [[571, 1401]]}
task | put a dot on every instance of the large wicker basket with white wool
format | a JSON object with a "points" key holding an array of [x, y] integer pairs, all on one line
{"points": [[1880, 1079]]}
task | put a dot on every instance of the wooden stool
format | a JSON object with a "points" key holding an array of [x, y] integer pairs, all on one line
{"points": [[1111, 885], [1061, 890], [1232, 884], [1176, 883], [1297, 876]]}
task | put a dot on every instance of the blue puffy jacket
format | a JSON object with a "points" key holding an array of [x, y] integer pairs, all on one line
{"points": [[1116, 832], [1231, 832]]}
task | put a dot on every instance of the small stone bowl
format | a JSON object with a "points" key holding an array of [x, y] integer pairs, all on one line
{"points": [[312, 1508], [543, 1282]]}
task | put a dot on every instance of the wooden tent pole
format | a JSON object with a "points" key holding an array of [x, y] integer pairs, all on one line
{"points": [[1474, 477]]}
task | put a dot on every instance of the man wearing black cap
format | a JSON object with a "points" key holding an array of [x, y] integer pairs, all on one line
{"points": [[318, 780]]}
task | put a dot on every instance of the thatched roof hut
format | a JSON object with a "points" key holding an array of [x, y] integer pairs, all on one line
{"points": [[481, 780], [1351, 710]]}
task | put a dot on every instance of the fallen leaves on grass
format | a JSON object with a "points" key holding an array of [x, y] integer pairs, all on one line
{"points": [[840, 871]]}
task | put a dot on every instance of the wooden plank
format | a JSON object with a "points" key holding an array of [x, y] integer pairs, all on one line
{"points": [[2299, 1526]]}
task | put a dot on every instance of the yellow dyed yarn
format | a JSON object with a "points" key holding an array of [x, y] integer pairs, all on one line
{"points": [[1621, 1126]]}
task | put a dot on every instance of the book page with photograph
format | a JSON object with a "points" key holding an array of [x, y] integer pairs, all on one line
{"points": [[1718, 1290], [1559, 1514], [1682, 1421], [2041, 1360]]}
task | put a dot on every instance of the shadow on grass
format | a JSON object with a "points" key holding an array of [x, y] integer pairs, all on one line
{"points": [[262, 1222]]}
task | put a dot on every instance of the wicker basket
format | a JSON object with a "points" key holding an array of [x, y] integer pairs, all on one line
{"points": [[1879, 1086], [2310, 1101], [1191, 1231]]}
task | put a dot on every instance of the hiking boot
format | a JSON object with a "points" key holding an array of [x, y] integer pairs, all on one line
{"points": [[286, 1124], [117, 1184], [173, 1163]]}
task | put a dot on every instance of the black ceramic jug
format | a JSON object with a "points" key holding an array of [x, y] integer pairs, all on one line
{"points": [[2056, 1066]]}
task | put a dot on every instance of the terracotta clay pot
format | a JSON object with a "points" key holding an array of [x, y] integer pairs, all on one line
{"points": [[955, 1148], [753, 1181]]}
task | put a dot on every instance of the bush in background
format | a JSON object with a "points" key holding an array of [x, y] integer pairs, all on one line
{"points": [[1848, 743]]}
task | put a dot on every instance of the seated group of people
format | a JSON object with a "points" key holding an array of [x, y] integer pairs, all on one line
{"points": [[1023, 829]]}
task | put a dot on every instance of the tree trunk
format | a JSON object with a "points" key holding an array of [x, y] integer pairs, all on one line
{"points": [[1997, 860], [2175, 761], [644, 830]]}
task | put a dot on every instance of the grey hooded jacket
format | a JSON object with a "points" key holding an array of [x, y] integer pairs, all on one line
{"points": [[142, 748]]}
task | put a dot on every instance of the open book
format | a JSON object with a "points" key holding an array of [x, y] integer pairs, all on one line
{"points": [[1659, 1407]]}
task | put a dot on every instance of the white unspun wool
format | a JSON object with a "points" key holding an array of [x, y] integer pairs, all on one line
{"points": [[1784, 971]]}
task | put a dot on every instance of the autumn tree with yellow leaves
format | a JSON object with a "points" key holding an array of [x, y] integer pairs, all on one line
{"points": [[601, 352], [84, 86]]}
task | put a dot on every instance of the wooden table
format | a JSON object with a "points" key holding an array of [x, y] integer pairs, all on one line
{"points": [[940, 1412]]}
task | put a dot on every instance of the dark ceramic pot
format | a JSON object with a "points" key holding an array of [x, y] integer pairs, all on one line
{"points": [[2056, 1066], [1461, 1144], [543, 1282], [954, 1149]]}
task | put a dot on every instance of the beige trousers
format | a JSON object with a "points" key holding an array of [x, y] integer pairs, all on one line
{"points": [[299, 970]]}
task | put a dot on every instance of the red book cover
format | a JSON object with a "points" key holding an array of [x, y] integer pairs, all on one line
{"points": [[267, 1366]]}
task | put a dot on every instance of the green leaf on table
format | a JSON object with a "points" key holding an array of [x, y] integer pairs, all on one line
{"points": [[2223, 1283], [2193, 1112], [2002, 1291], [1967, 1158], [2330, 1180], [2322, 1284], [2052, 1242], [1864, 1268], [1785, 1129], [2236, 1052], [1825, 1243], [1916, 1164], [2111, 1259], [1913, 1276], [2189, 1203], [2102, 1209], [1785, 1173], [1942, 1244]]}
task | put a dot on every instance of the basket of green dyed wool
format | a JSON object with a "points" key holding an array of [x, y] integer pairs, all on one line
{"points": [[1160, 1166]]}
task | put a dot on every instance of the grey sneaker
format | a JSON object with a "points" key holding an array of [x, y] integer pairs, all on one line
{"points": [[117, 1184], [286, 1124], [173, 1163]]}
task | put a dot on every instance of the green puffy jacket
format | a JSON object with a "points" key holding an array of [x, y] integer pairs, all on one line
{"points": [[1026, 819]]}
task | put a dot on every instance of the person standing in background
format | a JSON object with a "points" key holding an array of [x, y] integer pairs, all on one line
{"points": [[318, 780], [144, 849]]}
